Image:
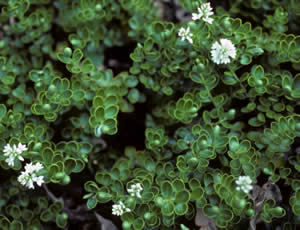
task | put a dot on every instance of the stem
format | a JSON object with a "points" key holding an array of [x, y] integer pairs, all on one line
{"points": [[105, 224], [80, 214], [51, 195], [208, 91]]}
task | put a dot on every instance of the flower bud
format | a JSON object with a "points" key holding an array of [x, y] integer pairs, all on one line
{"points": [[68, 51], [66, 179], [159, 201], [193, 162], [126, 225]]}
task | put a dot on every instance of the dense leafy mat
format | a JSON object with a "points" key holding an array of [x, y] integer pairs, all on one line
{"points": [[149, 114]]}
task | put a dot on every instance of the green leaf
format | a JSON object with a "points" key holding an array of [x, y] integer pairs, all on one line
{"points": [[69, 165], [110, 126], [92, 203], [197, 193], [166, 189], [87, 66], [103, 178], [61, 220], [99, 101], [2, 111], [234, 144], [16, 225], [47, 156], [131, 81], [46, 215], [246, 59], [178, 185], [99, 114], [77, 55], [133, 95], [91, 186], [183, 227], [42, 202], [14, 211], [182, 197], [167, 209], [258, 72], [139, 224], [117, 187], [79, 166], [56, 207], [27, 214], [111, 112], [181, 209], [4, 222], [65, 57]]}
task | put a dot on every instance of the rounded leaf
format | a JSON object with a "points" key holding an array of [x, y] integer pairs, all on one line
{"points": [[111, 112], [167, 209], [181, 209], [166, 189], [99, 114], [182, 197], [92, 203], [61, 220], [2, 111]]}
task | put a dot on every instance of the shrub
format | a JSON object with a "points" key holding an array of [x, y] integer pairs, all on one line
{"points": [[141, 114]]}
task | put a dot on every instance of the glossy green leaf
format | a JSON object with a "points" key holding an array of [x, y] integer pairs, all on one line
{"points": [[2, 111], [166, 189]]}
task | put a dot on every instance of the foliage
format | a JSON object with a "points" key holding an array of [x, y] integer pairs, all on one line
{"points": [[205, 124]]}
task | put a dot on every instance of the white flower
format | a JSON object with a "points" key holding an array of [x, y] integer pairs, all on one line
{"points": [[119, 209], [135, 190], [39, 180], [244, 184], [21, 148], [221, 52], [14, 152], [204, 12], [26, 180], [30, 168], [29, 176], [185, 34]]}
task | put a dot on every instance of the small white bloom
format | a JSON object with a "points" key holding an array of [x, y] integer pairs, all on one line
{"points": [[10, 161], [221, 52], [204, 12], [135, 190], [39, 180], [244, 184], [26, 180], [30, 168], [119, 208], [196, 16], [185, 34], [14, 152], [21, 148], [29, 176]]}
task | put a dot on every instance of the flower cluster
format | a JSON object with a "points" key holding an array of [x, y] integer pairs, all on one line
{"points": [[244, 184], [222, 51], [185, 34], [119, 209], [135, 190], [14, 152], [204, 12], [29, 176]]}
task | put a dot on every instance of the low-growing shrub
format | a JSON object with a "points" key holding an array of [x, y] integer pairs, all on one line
{"points": [[148, 114]]}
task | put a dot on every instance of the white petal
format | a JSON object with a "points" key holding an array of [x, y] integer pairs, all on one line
{"points": [[10, 161], [40, 180], [20, 158]]}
